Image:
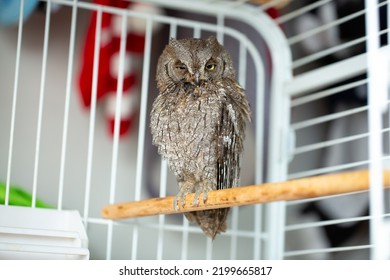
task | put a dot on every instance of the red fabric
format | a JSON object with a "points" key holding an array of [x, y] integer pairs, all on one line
{"points": [[109, 46], [124, 127], [272, 12]]}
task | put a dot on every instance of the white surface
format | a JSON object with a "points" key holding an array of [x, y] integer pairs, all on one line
{"points": [[33, 233]]}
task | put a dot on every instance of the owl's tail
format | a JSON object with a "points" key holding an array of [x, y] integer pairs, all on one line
{"points": [[211, 222]]}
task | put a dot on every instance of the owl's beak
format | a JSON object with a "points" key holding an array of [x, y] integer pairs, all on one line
{"points": [[197, 78]]}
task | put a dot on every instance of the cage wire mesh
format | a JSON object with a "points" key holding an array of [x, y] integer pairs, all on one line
{"points": [[316, 77], [341, 123]]}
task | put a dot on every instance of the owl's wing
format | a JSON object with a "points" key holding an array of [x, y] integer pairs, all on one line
{"points": [[234, 114]]}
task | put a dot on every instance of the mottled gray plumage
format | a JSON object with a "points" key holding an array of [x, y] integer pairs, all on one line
{"points": [[198, 122]]}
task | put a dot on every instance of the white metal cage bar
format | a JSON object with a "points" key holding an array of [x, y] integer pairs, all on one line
{"points": [[377, 89], [40, 109], [14, 99], [67, 103], [92, 116]]}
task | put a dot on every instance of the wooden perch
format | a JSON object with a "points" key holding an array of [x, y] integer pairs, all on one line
{"points": [[280, 4], [290, 190]]}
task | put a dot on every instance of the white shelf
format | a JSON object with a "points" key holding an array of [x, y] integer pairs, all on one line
{"points": [[33, 233]]}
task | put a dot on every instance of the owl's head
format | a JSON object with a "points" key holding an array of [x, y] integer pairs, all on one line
{"points": [[193, 62]]}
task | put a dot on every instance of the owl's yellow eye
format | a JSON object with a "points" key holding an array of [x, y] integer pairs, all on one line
{"points": [[210, 67]]}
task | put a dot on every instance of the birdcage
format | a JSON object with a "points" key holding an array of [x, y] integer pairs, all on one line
{"points": [[76, 87]]}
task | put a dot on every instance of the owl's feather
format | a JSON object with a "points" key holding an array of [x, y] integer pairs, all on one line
{"points": [[198, 122]]}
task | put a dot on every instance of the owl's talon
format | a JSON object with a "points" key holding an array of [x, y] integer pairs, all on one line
{"points": [[196, 198], [175, 204], [205, 192], [180, 196], [197, 194]]}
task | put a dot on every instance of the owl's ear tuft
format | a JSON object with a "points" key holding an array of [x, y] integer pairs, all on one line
{"points": [[174, 42], [212, 40]]}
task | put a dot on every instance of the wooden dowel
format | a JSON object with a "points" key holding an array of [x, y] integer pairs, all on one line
{"points": [[290, 190], [280, 4]]}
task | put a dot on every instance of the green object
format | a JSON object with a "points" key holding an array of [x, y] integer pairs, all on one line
{"points": [[19, 197]]}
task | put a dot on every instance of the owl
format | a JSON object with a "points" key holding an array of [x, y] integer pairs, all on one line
{"points": [[198, 123]]}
